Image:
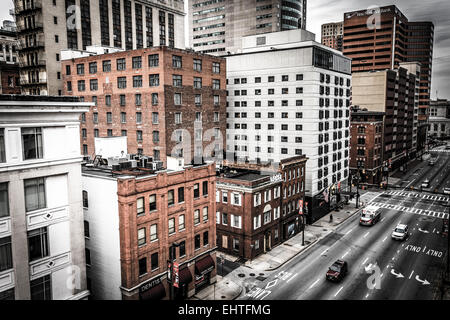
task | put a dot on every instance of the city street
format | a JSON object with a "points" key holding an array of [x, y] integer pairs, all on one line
{"points": [[403, 270]]}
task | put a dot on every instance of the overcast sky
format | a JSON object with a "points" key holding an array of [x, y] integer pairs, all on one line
{"points": [[323, 11]]}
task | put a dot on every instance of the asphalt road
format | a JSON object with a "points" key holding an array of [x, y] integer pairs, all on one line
{"points": [[379, 267]]}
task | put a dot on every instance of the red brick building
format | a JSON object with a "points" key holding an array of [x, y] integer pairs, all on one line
{"points": [[366, 145], [257, 207], [155, 211], [9, 78], [159, 97]]}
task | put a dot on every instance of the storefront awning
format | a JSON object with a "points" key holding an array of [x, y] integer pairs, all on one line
{"points": [[204, 265], [185, 276], [156, 293]]}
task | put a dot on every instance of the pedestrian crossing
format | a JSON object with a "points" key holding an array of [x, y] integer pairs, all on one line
{"points": [[442, 215], [418, 195]]}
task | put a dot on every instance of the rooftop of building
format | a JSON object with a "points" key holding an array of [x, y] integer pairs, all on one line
{"points": [[365, 112], [37, 98]]}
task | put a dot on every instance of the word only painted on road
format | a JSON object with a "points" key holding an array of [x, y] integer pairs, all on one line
{"points": [[260, 293], [429, 252]]}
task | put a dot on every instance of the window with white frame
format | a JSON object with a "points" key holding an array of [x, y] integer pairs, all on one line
{"points": [[141, 237], [276, 192], [267, 216], [196, 216], [236, 199], [236, 221], [181, 222], [224, 196], [217, 217], [140, 206], [256, 222], [205, 214], [171, 226], [276, 213], [257, 199], [267, 195], [256, 244], [217, 196], [153, 232]]}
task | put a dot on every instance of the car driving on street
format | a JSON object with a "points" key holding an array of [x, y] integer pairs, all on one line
{"points": [[400, 232], [337, 271], [447, 190], [426, 183]]}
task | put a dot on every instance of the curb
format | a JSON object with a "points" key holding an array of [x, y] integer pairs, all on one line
{"points": [[312, 243]]}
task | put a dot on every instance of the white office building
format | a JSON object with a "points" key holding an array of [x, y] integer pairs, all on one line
{"points": [[42, 253], [289, 95]]}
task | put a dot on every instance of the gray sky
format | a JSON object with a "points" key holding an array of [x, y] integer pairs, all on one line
{"points": [[437, 11], [323, 11]]}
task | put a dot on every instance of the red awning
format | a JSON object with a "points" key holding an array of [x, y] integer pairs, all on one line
{"points": [[204, 265], [185, 276], [156, 293]]}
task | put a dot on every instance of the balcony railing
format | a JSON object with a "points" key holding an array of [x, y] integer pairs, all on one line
{"points": [[31, 82]]}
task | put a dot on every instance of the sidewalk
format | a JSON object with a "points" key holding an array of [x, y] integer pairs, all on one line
{"points": [[223, 289], [289, 249]]}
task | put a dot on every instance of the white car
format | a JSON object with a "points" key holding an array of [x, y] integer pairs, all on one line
{"points": [[447, 190], [400, 232], [426, 183]]}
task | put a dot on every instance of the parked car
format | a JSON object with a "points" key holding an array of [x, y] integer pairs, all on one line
{"points": [[426, 183], [431, 162], [337, 271], [447, 190], [447, 147], [400, 232], [370, 216]]}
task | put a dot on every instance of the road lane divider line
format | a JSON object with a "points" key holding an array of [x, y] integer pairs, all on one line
{"points": [[324, 252], [345, 254], [384, 239], [315, 282], [339, 291], [411, 274], [349, 231], [292, 277], [365, 261], [366, 234]]}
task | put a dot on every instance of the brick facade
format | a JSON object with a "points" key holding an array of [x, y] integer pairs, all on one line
{"points": [[130, 189], [166, 108], [277, 201]]}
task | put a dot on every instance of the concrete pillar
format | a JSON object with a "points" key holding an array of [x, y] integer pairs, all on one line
{"points": [[4, 51]]}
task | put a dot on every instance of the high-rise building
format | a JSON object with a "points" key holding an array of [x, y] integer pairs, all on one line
{"points": [[42, 252], [289, 95], [332, 35], [164, 100], [138, 216], [77, 24], [217, 26], [392, 92], [378, 39]]}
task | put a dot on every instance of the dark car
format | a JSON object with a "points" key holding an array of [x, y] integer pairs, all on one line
{"points": [[337, 271]]}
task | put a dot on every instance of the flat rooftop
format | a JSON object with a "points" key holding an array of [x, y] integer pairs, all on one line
{"points": [[38, 98]]}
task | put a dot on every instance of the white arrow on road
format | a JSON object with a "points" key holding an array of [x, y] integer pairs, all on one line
{"points": [[424, 282], [424, 231], [398, 275]]}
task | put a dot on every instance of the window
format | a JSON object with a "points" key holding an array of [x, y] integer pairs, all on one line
{"points": [[152, 202], [205, 214], [141, 237], [69, 85], [171, 198], [41, 288], [267, 217], [155, 135], [92, 67], [154, 80], [5, 254], [181, 222], [137, 81], [121, 64], [197, 242], [216, 84], [108, 117], [205, 238], [224, 197], [87, 253], [235, 244], [256, 222], [106, 66], [177, 99], [34, 194], [37, 244], [154, 99], [236, 199], [80, 69], [142, 266], [216, 67], [182, 248], [153, 60], [153, 232], [176, 62], [155, 117], [154, 261], [4, 200], [138, 99], [123, 100], [285, 78], [121, 82], [171, 226], [81, 85], [137, 62], [197, 65], [205, 188], [138, 117], [196, 217], [95, 117], [197, 83], [177, 80], [2, 146], [196, 190]]}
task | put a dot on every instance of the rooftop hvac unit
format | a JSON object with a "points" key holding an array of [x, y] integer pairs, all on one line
{"points": [[158, 165], [133, 163], [116, 167], [149, 165]]}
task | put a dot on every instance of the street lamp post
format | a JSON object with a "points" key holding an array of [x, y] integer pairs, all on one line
{"points": [[172, 253]]}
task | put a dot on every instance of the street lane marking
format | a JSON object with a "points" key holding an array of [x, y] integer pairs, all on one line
{"points": [[365, 261], [385, 239], [366, 234], [339, 291], [349, 231], [315, 282], [411, 274], [324, 252], [383, 219], [292, 277], [345, 254]]}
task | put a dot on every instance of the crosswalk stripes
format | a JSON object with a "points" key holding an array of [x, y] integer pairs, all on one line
{"points": [[417, 195], [442, 215]]}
